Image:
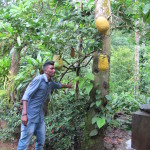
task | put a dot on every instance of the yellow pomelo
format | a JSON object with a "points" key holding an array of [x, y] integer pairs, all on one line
{"points": [[103, 62], [102, 24], [58, 62]]}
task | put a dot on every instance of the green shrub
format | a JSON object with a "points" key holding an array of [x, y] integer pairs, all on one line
{"points": [[5, 104], [121, 70], [64, 127], [120, 108], [4, 69], [13, 118]]}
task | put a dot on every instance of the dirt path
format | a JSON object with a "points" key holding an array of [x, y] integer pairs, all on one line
{"points": [[7, 146], [118, 140], [13, 146]]}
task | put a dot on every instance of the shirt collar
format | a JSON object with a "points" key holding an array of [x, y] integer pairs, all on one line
{"points": [[45, 77]]}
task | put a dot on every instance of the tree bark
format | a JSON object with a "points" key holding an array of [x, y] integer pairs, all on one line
{"points": [[136, 69], [101, 83], [15, 63], [13, 71]]}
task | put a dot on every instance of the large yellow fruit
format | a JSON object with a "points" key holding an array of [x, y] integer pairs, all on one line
{"points": [[58, 62], [103, 62], [102, 25]]}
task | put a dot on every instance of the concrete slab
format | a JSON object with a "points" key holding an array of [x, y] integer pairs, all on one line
{"points": [[141, 130]]}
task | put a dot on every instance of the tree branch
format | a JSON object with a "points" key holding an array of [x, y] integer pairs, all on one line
{"points": [[72, 64], [54, 11]]}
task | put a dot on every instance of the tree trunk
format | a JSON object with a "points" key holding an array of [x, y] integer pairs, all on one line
{"points": [[15, 63], [78, 70], [101, 83], [13, 71], [136, 69]]}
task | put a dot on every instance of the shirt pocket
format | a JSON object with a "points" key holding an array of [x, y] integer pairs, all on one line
{"points": [[43, 89]]}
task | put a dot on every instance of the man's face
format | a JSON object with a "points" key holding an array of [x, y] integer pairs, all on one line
{"points": [[50, 70]]}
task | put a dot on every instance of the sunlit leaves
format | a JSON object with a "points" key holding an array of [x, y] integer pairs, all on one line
{"points": [[101, 122], [146, 12], [98, 103], [146, 9], [19, 41]]}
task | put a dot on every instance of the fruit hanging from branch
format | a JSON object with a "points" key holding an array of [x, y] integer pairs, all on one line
{"points": [[72, 52], [103, 62], [58, 62], [102, 24]]}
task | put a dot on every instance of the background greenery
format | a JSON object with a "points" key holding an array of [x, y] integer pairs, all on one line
{"points": [[39, 29]]}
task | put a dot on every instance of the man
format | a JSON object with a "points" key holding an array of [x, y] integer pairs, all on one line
{"points": [[33, 100]]}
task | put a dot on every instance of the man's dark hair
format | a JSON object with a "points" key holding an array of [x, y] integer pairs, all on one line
{"points": [[47, 64]]}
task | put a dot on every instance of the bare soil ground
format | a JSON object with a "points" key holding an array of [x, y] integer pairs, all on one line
{"points": [[116, 139], [12, 146]]}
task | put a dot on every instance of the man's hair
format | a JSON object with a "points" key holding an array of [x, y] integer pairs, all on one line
{"points": [[47, 64]]}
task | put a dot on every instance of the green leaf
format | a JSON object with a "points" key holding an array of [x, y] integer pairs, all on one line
{"points": [[89, 88], [56, 65], [19, 41], [10, 29], [32, 61], [92, 104], [39, 58], [81, 83], [2, 35], [98, 92], [93, 132], [98, 96], [100, 122], [90, 76], [94, 119], [18, 88], [76, 79], [146, 9], [108, 97], [98, 103]]}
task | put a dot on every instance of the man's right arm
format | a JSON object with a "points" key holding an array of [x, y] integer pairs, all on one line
{"points": [[24, 117], [31, 89]]}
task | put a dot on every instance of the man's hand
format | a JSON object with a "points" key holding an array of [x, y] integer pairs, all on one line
{"points": [[24, 120], [66, 85], [69, 85]]}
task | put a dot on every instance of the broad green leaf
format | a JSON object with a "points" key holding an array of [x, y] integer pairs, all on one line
{"points": [[81, 83], [32, 61], [89, 76], [19, 41], [19, 87], [108, 97], [39, 58], [101, 122], [93, 132], [98, 92], [76, 79], [98, 96], [98, 103], [2, 35], [71, 92], [89, 88], [94, 119], [92, 104], [10, 29], [146, 9]]}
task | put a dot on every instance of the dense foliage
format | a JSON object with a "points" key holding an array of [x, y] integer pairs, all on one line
{"points": [[39, 29]]}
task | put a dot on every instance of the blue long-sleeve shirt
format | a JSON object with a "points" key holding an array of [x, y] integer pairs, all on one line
{"points": [[35, 95]]}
